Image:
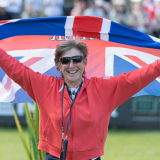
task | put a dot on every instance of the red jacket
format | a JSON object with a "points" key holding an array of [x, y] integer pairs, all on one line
{"points": [[91, 112]]}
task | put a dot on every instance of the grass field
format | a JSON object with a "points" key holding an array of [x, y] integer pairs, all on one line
{"points": [[120, 145]]}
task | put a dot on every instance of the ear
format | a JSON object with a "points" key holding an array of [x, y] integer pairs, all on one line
{"points": [[59, 66], [85, 61]]}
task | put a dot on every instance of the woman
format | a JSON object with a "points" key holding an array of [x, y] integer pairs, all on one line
{"points": [[74, 109]]}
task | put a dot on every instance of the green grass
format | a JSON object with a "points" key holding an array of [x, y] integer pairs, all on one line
{"points": [[11, 147], [132, 145], [120, 145]]}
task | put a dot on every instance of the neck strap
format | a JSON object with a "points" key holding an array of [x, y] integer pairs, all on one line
{"points": [[70, 113]]}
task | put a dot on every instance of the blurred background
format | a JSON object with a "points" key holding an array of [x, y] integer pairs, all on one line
{"points": [[130, 120], [142, 15]]}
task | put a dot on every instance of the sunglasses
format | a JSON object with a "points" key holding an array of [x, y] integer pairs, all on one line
{"points": [[67, 60]]}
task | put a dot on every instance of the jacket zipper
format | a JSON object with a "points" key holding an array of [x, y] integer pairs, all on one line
{"points": [[72, 132]]}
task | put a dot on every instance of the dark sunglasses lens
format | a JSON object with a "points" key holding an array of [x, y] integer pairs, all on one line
{"points": [[77, 59], [65, 60]]}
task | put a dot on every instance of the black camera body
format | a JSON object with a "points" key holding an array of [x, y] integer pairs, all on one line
{"points": [[63, 149]]}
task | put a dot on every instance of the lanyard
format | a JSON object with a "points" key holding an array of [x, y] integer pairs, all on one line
{"points": [[70, 113]]}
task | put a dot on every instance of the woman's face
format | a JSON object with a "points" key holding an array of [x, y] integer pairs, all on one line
{"points": [[73, 72]]}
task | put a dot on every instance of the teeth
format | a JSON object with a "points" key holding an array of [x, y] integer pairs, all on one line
{"points": [[72, 72]]}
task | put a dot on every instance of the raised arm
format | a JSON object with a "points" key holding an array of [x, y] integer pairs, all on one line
{"points": [[116, 90], [35, 84]]}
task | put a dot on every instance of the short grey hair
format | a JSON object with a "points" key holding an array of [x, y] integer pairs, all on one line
{"points": [[67, 45]]}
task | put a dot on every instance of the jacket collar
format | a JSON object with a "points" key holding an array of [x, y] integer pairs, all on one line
{"points": [[85, 82]]}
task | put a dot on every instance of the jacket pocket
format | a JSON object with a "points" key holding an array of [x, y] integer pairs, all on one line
{"points": [[46, 130], [52, 134]]}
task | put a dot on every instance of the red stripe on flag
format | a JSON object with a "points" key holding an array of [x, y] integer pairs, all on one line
{"points": [[28, 42], [38, 42], [27, 63], [137, 60], [8, 84], [96, 59], [5, 21], [32, 61], [87, 26], [6, 87]]}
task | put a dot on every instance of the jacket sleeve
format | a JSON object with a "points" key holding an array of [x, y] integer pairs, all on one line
{"points": [[35, 84], [116, 90]]}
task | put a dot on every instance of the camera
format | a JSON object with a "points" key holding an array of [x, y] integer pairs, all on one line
{"points": [[63, 149]]}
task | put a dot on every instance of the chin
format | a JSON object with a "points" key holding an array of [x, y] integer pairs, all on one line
{"points": [[73, 79]]}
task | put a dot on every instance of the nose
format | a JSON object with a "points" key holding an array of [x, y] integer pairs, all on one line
{"points": [[71, 64]]}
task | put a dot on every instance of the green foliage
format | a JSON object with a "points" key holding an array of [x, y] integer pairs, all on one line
{"points": [[22, 135], [33, 131]]}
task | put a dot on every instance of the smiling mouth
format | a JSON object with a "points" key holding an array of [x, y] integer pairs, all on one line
{"points": [[72, 72]]}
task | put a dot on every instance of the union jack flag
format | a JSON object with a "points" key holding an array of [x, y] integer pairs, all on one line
{"points": [[113, 49]]}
